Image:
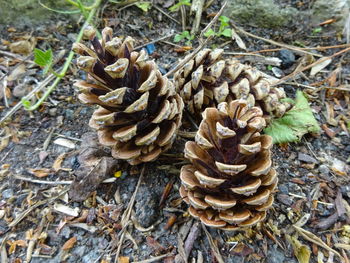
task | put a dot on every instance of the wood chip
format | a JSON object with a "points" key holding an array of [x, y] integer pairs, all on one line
{"points": [[65, 143]]}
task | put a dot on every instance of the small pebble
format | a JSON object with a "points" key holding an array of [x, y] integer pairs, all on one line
{"points": [[306, 158], [277, 72], [287, 57], [53, 112], [7, 194], [323, 169]]}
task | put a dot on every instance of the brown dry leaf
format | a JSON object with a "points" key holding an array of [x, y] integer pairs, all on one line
{"points": [[40, 172], [4, 141], [24, 47], [13, 245], [57, 163], [302, 252], [69, 243], [318, 67], [123, 260]]}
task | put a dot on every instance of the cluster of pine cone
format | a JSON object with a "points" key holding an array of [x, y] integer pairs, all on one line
{"points": [[230, 182]]}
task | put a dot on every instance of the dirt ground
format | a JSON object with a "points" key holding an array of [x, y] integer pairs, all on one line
{"points": [[39, 156]]}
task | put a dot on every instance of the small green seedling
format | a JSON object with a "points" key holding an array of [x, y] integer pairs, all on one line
{"points": [[317, 30], [184, 35], [177, 6], [144, 6], [269, 67], [44, 59], [224, 29]]}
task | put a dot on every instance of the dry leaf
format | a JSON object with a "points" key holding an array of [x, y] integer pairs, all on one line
{"points": [[318, 67], [40, 172], [66, 210], [57, 164], [123, 260], [17, 72], [24, 47], [69, 243], [13, 245], [302, 252], [65, 143], [238, 39]]}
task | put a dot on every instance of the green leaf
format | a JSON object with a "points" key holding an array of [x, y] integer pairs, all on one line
{"points": [[144, 6], [224, 19], [177, 6], [226, 32], [209, 33], [178, 38], [295, 123], [26, 103], [43, 59], [269, 67], [302, 252]]}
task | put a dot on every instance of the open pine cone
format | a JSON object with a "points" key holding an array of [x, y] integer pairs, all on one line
{"points": [[230, 183], [208, 79], [139, 111]]}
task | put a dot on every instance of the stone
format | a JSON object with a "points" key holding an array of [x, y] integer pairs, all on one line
{"points": [[285, 199], [262, 13], [7, 193], [323, 169], [306, 158], [146, 206], [287, 57]]}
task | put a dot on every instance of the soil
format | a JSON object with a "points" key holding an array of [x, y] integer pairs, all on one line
{"points": [[313, 191]]}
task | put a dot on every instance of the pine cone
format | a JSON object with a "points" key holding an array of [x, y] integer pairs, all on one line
{"points": [[208, 79], [139, 111], [230, 182]]}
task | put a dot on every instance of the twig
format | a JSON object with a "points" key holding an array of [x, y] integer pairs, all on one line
{"points": [[35, 237], [282, 80], [166, 14], [191, 238], [153, 259], [274, 42], [21, 216], [29, 96], [68, 61], [68, 182], [127, 214], [202, 44], [183, 17], [197, 6], [216, 17], [15, 56], [5, 155], [213, 245], [154, 41]]}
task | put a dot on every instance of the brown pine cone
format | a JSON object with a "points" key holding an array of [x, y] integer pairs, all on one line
{"points": [[139, 111], [230, 182], [208, 79]]}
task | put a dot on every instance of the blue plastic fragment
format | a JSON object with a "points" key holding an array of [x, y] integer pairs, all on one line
{"points": [[150, 48]]}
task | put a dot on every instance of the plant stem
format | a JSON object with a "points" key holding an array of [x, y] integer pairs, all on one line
{"points": [[68, 61]]}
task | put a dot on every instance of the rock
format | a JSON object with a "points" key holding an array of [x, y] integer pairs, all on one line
{"points": [[285, 199], [283, 189], [7, 194], [277, 72], [147, 207], [306, 158], [287, 57], [20, 91], [276, 255], [53, 112], [263, 13], [324, 170]]}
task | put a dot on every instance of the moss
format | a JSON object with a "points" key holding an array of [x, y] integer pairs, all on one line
{"points": [[262, 13]]}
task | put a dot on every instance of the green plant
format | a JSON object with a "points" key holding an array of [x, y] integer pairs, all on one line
{"points": [[177, 6], [45, 58], [184, 35], [224, 28], [317, 30], [295, 123], [144, 6]]}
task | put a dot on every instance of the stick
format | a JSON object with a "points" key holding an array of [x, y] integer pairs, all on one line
{"points": [[127, 214], [285, 78], [197, 6], [166, 14], [274, 42]]}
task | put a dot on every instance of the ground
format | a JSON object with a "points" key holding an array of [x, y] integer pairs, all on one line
{"points": [[40, 153]]}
